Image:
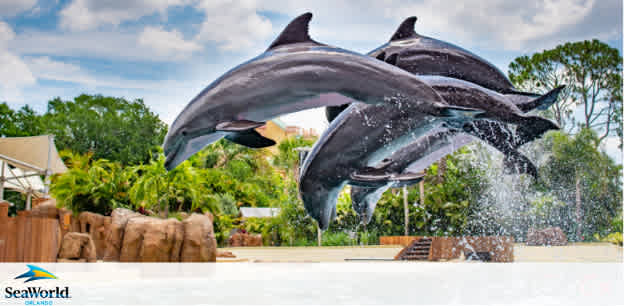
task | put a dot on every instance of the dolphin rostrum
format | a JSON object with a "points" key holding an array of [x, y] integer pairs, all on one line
{"points": [[287, 78]]}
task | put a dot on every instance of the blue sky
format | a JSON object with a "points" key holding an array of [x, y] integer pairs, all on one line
{"points": [[166, 51]]}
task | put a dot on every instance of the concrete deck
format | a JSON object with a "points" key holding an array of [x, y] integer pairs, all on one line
{"points": [[577, 252]]}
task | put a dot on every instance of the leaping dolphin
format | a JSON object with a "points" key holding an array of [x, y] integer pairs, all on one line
{"points": [[363, 135], [420, 154], [286, 78], [409, 160], [425, 55]]}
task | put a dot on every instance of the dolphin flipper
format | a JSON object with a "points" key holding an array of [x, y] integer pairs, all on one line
{"points": [[250, 138], [238, 126]]}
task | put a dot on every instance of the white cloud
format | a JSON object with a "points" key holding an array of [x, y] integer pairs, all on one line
{"points": [[46, 68], [6, 33], [14, 73], [81, 15], [14, 7], [167, 43], [488, 24], [233, 25]]}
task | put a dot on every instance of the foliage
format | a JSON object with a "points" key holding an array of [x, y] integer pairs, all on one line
{"points": [[91, 185], [24, 122], [288, 157], [592, 71], [599, 177], [157, 188], [110, 128], [336, 239]]}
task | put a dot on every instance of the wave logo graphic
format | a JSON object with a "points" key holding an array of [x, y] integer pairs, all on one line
{"points": [[36, 273]]}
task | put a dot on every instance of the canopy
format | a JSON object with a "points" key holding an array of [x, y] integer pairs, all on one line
{"points": [[22, 181], [37, 153], [23, 160]]}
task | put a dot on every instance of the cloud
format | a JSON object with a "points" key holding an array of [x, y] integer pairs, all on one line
{"points": [[487, 24], [82, 15], [14, 73], [13, 7], [46, 68], [167, 43], [233, 25]]}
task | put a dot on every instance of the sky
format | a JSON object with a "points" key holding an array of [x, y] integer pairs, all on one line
{"points": [[167, 51]]}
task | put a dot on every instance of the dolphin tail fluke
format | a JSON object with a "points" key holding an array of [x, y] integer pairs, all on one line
{"points": [[516, 163], [533, 127], [543, 102]]}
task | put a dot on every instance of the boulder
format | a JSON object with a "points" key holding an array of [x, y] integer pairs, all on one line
{"points": [[97, 226], [114, 237], [149, 239], [245, 239], [199, 243], [76, 246], [548, 236]]}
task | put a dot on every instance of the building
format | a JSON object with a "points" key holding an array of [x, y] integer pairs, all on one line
{"points": [[278, 130]]}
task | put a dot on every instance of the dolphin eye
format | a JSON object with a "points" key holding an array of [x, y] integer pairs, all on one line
{"points": [[183, 133]]}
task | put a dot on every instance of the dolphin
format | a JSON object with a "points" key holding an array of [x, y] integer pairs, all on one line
{"points": [[409, 160], [290, 76], [419, 155], [420, 54], [361, 136], [424, 55], [376, 132]]}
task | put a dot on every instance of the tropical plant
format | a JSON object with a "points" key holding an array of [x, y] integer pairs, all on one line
{"points": [[91, 185]]}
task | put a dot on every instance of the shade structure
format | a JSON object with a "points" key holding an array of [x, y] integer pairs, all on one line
{"points": [[36, 153], [23, 160], [22, 181]]}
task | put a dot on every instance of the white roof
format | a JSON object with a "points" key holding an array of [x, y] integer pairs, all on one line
{"points": [[32, 153], [259, 212], [21, 180]]}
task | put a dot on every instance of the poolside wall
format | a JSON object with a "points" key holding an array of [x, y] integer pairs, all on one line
{"points": [[27, 238]]}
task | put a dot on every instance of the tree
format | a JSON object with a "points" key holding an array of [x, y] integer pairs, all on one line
{"points": [[24, 122], [592, 71], [586, 180], [111, 128], [540, 73]]}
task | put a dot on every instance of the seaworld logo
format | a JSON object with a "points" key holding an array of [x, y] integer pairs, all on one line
{"points": [[36, 273], [32, 293]]}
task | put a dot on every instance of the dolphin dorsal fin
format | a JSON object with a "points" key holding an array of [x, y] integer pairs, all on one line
{"points": [[295, 32], [406, 29]]}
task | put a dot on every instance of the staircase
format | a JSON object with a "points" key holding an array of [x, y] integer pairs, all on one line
{"points": [[417, 250]]}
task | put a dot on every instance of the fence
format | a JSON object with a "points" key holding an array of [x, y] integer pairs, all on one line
{"points": [[28, 239]]}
